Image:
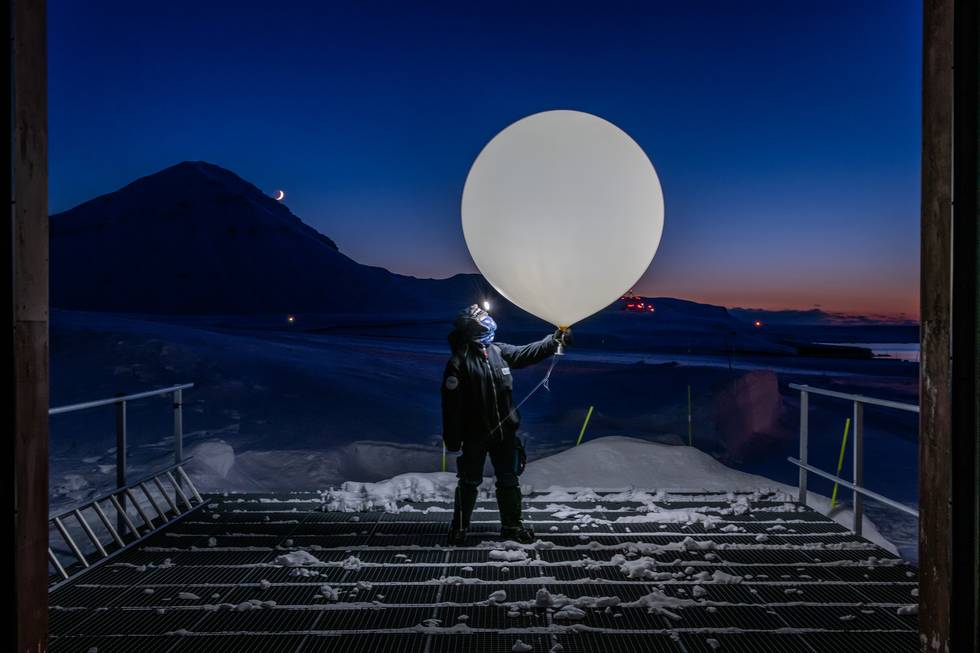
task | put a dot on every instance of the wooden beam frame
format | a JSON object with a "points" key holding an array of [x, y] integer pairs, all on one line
{"points": [[948, 428], [948, 440], [25, 244], [965, 335]]}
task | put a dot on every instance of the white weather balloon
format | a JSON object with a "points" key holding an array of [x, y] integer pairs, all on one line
{"points": [[562, 213]]}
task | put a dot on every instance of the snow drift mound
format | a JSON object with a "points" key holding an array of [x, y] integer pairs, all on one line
{"points": [[611, 463], [216, 466], [616, 462]]}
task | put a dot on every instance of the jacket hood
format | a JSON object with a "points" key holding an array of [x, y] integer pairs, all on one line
{"points": [[473, 324]]}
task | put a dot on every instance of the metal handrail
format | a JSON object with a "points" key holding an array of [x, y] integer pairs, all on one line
{"points": [[856, 484], [873, 401], [126, 492], [115, 400], [866, 492], [120, 402]]}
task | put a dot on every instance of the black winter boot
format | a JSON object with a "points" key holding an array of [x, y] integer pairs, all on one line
{"points": [[465, 500], [511, 527]]}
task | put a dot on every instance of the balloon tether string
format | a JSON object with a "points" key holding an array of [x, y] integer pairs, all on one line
{"points": [[542, 383]]}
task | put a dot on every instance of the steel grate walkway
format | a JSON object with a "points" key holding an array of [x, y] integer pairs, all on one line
{"points": [[277, 573]]}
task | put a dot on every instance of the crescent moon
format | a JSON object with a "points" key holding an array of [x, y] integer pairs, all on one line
{"points": [[280, 194]]}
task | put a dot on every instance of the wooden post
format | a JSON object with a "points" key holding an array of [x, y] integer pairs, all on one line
{"points": [[948, 432], [965, 333], [25, 289], [965, 617]]}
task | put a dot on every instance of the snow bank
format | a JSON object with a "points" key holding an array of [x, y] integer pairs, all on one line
{"points": [[352, 496], [216, 466], [622, 461], [617, 461], [215, 457], [634, 470]]}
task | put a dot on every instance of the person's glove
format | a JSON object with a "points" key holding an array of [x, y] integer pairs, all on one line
{"points": [[563, 338]]}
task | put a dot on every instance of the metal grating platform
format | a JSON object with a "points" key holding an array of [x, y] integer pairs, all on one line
{"points": [[765, 576]]}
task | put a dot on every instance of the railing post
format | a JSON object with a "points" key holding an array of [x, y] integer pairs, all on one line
{"points": [[804, 433], [178, 426], [858, 502], [121, 455], [178, 433]]}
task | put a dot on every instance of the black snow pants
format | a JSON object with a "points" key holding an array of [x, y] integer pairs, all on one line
{"points": [[504, 456]]}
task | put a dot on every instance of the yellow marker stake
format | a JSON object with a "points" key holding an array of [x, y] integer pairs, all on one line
{"points": [[443, 458], [840, 461], [584, 424]]}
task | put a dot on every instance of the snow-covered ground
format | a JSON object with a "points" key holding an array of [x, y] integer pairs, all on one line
{"points": [[636, 469], [277, 409]]}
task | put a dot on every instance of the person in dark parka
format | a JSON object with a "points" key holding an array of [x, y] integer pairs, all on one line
{"points": [[479, 418]]}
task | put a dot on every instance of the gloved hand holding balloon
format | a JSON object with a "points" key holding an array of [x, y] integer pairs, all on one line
{"points": [[563, 336], [562, 213]]}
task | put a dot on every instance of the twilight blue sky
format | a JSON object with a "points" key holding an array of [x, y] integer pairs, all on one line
{"points": [[786, 134]]}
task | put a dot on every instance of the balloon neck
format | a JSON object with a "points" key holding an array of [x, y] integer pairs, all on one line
{"points": [[561, 347]]}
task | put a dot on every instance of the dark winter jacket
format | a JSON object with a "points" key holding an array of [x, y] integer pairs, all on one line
{"points": [[477, 384]]}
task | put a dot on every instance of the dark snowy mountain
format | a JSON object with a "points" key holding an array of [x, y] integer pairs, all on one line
{"points": [[198, 239]]}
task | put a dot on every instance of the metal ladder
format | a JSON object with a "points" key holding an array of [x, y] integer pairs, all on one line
{"points": [[169, 504], [139, 496]]}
